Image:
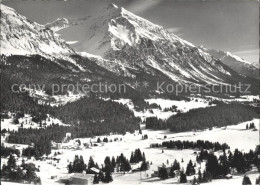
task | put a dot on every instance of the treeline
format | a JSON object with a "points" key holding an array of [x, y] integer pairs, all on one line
{"points": [[29, 135], [217, 116], [203, 118], [155, 123], [15, 173], [199, 144]]}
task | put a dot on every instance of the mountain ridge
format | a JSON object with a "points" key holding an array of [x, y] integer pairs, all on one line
{"points": [[20, 36], [129, 46], [236, 63]]}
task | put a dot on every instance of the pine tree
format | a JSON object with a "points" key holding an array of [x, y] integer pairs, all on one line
{"points": [[246, 180], [163, 173], [190, 169], [11, 163], [70, 168], [194, 181], [113, 162], [19, 174], [172, 174], [224, 165], [101, 176], [91, 163], [212, 165], [30, 174], [96, 166], [144, 165], [176, 165], [108, 177], [207, 177], [96, 179], [127, 166], [183, 178], [108, 166], [82, 165], [132, 158]]}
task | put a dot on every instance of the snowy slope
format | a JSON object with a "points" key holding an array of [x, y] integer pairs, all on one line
{"points": [[20, 36], [125, 44], [248, 139], [118, 35], [182, 106], [58, 24]]}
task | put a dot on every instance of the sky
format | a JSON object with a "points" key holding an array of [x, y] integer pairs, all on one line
{"points": [[229, 25]]}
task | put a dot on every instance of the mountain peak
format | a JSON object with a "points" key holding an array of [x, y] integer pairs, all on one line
{"points": [[20, 36], [58, 24]]}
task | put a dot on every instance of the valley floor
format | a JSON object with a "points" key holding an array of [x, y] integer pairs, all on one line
{"points": [[236, 136]]}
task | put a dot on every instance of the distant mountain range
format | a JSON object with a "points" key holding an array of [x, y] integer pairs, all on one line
{"points": [[236, 63], [119, 43]]}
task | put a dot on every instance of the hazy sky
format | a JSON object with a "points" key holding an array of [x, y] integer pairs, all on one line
{"points": [[230, 25]]}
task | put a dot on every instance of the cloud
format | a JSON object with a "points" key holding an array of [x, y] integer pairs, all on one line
{"points": [[247, 52], [142, 6], [251, 55], [71, 42], [174, 29]]}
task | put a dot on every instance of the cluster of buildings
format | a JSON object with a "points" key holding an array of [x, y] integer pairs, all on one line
{"points": [[67, 144]]}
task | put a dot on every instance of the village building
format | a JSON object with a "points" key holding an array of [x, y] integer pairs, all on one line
{"points": [[77, 179], [156, 173]]}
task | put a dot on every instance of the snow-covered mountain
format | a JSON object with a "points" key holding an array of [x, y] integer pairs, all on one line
{"points": [[20, 36], [117, 41], [58, 24], [236, 63], [118, 35]]}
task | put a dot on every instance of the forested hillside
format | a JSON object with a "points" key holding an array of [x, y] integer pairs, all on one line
{"points": [[217, 116], [85, 118], [203, 118]]}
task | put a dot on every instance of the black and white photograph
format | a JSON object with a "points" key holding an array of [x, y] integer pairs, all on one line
{"points": [[128, 92]]}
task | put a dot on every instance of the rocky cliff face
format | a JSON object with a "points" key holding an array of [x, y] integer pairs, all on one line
{"points": [[118, 41], [58, 24], [20, 36], [236, 63], [118, 35]]}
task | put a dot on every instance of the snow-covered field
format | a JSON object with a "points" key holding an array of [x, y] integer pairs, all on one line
{"points": [[244, 98], [27, 122], [182, 106], [236, 136], [55, 100]]}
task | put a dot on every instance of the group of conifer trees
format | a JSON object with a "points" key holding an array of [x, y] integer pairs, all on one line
{"points": [[16, 173], [199, 144]]}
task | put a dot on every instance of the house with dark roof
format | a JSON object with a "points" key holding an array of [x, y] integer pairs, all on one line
{"points": [[77, 179]]}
